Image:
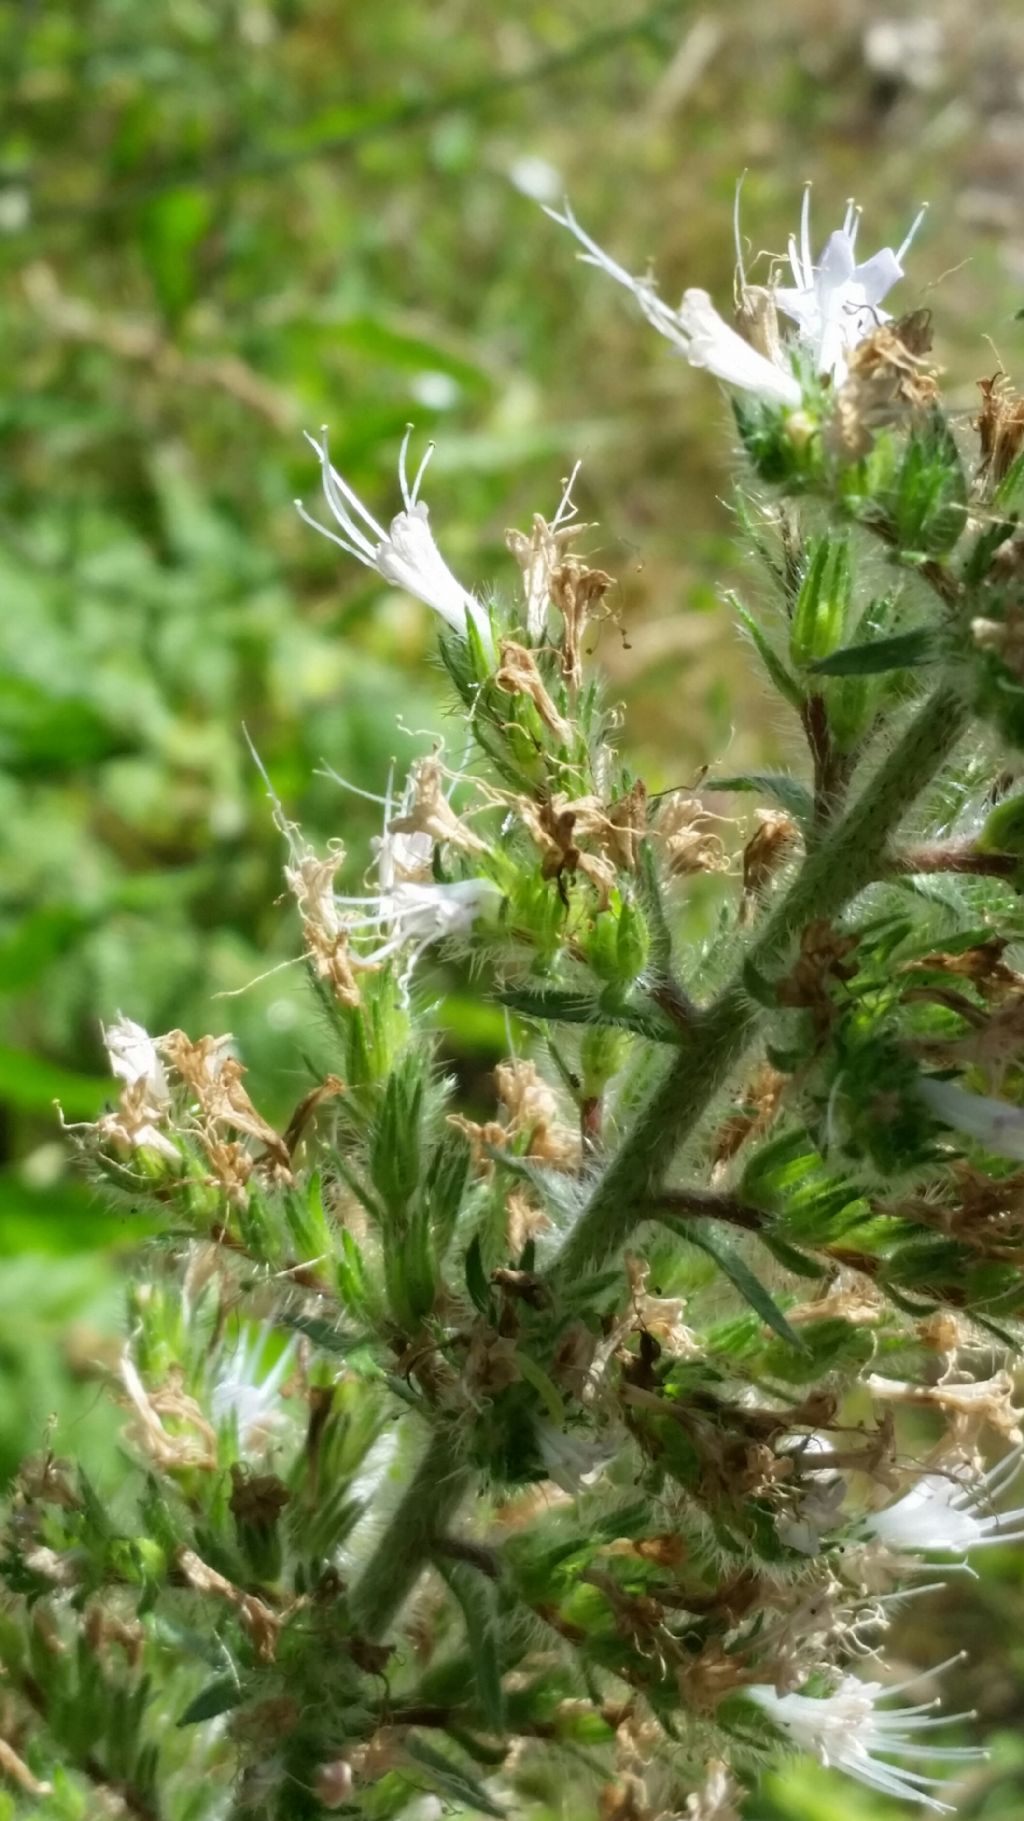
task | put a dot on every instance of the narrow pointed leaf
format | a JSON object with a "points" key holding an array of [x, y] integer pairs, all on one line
{"points": [[700, 1233], [478, 1597], [903, 651]]}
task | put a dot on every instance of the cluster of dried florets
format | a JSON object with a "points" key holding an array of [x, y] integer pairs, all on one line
{"points": [[723, 1412]]}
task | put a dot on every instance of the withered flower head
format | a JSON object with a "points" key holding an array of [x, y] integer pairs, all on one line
{"points": [[1000, 427]]}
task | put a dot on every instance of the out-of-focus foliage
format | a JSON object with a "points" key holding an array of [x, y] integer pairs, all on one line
{"points": [[224, 221]]}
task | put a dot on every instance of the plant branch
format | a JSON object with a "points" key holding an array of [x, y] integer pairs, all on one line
{"points": [[437, 1489], [946, 857], [704, 1204], [846, 860]]}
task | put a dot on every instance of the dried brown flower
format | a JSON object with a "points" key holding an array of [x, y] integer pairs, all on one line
{"points": [[430, 813], [768, 849], [575, 591], [519, 675], [888, 377], [1000, 426]]}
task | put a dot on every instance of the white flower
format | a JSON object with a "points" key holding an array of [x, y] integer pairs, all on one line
{"points": [[417, 915], [834, 304], [845, 1731], [145, 1098], [134, 1058], [818, 1509], [245, 1396], [994, 1123], [572, 1461], [410, 909], [405, 554], [696, 328], [944, 1514]]}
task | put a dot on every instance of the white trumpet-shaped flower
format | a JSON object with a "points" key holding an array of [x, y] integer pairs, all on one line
{"points": [[419, 915], [696, 328], [994, 1123], [944, 1514], [405, 555], [834, 304], [848, 1731]]}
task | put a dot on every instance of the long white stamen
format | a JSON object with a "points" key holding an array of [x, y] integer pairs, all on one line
{"points": [[911, 235]]}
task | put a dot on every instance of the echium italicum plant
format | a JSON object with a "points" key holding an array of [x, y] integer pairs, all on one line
{"points": [[588, 1441]]}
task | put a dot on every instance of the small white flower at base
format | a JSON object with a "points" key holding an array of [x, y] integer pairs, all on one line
{"points": [[405, 555], [946, 1515], [846, 1731], [415, 917], [994, 1123]]}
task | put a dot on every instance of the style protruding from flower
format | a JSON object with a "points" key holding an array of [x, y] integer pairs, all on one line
{"points": [[847, 1731], [834, 303], [405, 555], [945, 1513]]}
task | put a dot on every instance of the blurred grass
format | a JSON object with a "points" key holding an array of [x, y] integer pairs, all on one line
{"points": [[221, 221]]}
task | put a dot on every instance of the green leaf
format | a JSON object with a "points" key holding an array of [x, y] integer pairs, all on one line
{"points": [[903, 651], [789, 793], [170, 230], [478, 1597], [40, 938], [649, 893], [787, 685], [32, 1085], [450, 1779], [703, 1234], [476, 1277], [795, 1261], [40, 732], [323, 1333], [552, 1005], [218, 1697]]}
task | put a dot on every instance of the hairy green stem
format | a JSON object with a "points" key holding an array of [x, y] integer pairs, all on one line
{"points": [[716, 1039], [438, 1487], [711, 1044]]}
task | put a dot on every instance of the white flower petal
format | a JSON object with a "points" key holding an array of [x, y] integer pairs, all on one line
{"points": [[406, 555], [994, 1123], [846, 1732], [134, 1056]]}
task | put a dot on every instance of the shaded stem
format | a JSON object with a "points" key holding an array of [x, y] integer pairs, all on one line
{"points": [[711, 1044], [947, 857], [705, 1204], [437, 1489], [716, 1040]]}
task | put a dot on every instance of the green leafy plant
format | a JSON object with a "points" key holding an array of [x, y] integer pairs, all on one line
{"points": [[594, 1433]]}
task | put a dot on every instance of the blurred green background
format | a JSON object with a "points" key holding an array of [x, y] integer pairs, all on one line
{"points": [[224, 220]]}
